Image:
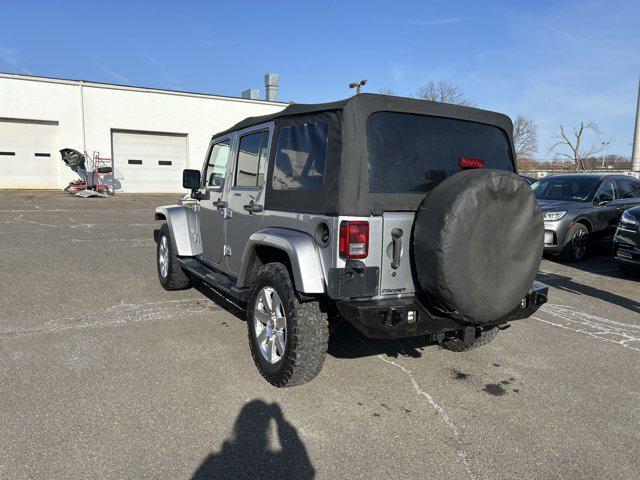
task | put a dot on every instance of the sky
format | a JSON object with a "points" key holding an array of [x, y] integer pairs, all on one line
{"points": [[555, 62]]}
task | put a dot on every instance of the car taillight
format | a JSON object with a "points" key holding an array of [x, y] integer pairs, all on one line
{"points": [[466, 162], [354, 239]]}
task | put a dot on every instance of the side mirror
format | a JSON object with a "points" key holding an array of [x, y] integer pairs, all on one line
{"points": [[604, 199], [191, 179]]}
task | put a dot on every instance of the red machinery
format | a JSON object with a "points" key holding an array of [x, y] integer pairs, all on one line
{"points": [[96, 172]]}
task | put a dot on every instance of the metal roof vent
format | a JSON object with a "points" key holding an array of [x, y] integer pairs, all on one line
{"points": [[251, 93], [271, 85]]}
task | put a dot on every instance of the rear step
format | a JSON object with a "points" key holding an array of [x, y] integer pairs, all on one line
{"points": [[217, 280]]}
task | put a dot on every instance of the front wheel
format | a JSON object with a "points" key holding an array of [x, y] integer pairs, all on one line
{"points": [[578, 240], [170, 273], [288, 339]]}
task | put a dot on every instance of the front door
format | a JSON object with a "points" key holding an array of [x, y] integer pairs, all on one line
{"points": [[246, 198], [211, 211]]}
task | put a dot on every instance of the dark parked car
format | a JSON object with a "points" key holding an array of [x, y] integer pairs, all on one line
{"points": [[529, 180], [626, 243], [582, 208]]}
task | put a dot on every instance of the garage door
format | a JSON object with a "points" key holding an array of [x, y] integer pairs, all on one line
{"points": [[149, 162], [29, 156]]}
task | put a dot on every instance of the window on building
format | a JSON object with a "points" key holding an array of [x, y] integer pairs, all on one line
{"points": [[252, 159], [217, 165], [300, 156]]}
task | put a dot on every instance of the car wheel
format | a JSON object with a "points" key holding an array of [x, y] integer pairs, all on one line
{"points": [[483, 337], [576, 248], [288, 338], [170, 273]]}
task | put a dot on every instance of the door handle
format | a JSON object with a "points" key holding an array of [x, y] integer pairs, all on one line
{"points": [[252, 207], [220, 204]]}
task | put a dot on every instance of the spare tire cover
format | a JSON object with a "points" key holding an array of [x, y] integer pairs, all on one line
{"points": [[477, 243]]}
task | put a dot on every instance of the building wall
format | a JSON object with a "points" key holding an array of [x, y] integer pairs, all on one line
{"points": [[110, 107]]}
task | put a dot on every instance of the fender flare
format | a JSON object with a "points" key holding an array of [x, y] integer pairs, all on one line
{"points": [[308, 276], [183, 227]]}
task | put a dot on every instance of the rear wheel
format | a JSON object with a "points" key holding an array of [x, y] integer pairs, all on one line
{"points": [[578, 241], [170, 273], [288, 339]]}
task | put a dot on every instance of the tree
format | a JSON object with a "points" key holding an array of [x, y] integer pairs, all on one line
{"points": [[575, 143], [444, 92], [525, 137]]}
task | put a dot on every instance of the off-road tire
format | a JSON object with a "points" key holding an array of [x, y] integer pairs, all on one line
{"points": [[576, 248], [482, 338], [176, 278], [307, 331]]}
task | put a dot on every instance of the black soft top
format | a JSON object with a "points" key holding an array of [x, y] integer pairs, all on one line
{"points": [[369, 101], [345, 190]]}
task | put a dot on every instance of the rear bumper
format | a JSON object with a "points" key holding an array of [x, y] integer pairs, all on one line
{"points": [[407, 317]]}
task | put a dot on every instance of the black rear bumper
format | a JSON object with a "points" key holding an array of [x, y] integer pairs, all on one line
{"points": [[407, 317]]}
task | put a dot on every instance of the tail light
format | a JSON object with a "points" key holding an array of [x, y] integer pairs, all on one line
{"points": [[354, 239], [466, 162]]}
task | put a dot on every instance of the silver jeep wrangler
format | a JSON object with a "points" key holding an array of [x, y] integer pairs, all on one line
{"points": [[404, 217]]}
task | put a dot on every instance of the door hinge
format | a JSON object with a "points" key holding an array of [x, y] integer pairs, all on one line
{"points": [[226, 251], [196, 207], [227, 213]]}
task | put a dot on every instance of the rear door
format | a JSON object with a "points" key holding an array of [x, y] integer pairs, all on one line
{"points": [[212, 211], [630, 191], [246, 195]]}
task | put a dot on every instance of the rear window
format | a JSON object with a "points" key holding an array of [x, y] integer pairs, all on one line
{"points": [[414, 153], [300, 156]]}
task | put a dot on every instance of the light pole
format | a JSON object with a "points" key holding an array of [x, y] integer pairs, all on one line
{"points": [[604, 151], [358, 85]]}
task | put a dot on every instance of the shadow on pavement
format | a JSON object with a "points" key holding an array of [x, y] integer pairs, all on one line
{"points": [[599, 263], [347, 342], [247, 453]]}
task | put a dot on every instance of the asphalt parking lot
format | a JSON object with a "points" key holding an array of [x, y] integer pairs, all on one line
{"points": [[105, 375]]}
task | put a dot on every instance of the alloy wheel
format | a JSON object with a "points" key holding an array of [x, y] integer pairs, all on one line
{"points": [[163, 256], [270, 325]]}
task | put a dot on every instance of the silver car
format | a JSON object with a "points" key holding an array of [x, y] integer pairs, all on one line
{"points": [[582, 209], [403, 217]]}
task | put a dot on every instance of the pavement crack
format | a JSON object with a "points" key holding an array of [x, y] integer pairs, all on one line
{"points": [[462, 453]]}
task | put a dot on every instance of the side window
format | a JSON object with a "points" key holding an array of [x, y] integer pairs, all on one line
{"points": [[300, 156], [217, 165], [629, 188], [606, 189], [252, 159]]}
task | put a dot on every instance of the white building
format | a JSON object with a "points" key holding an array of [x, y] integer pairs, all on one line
{"points": [[151, 134]]}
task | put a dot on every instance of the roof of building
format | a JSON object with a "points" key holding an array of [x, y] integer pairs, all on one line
{"points": [[92, 83]]}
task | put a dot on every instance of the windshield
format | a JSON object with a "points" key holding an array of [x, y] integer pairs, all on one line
{"points": [[574, 189], [414, 153]]}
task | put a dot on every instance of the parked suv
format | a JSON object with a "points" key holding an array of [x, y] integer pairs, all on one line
{"points": [[402, 216], [626, 243], [580, 209]]}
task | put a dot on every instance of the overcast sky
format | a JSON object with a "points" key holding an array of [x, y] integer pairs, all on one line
{"points": [[556, 62]]}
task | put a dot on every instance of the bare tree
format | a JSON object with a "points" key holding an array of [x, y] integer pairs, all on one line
{"points": [[445, 92], [387, 91], [575, 143], [525, 137]]}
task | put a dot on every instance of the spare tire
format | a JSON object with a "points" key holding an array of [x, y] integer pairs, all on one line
{"points": [[477, 243]]}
